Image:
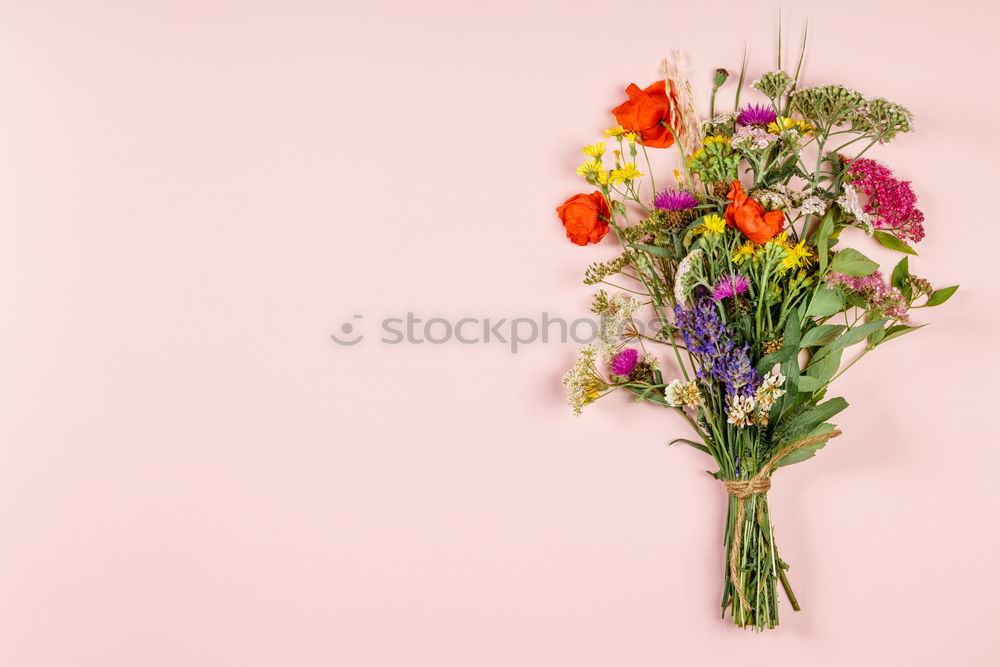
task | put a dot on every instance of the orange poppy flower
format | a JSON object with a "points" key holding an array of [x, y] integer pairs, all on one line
{"points": [[585, 217], [749, 216], [644, 113]]}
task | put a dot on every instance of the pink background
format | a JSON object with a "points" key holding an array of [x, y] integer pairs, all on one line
{"points": [[194, 195]]}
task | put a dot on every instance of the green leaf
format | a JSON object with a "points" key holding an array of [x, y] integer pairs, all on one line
{"points": [[941, 295], [809, 419], [899, 330], [850, 262], [857, 334], [809, 451], [789, 343], [821, 335], [901, 274], [809, 384], [823, 239], [824, 367], [826, 302], [653, 250], [892, 242], [697, 445]]}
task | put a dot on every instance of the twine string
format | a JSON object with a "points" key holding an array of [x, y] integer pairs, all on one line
{"points": [[741, 489]]}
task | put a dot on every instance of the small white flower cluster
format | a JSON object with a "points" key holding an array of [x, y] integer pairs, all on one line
{"points": [[749, 138], [812, 205], [851, 204], [775, 198], [583, 383], [681, 394], [617, 316]]}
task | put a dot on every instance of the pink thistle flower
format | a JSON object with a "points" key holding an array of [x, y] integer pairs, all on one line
{"points": [[891, 201], [625, 361], [729, 286]]}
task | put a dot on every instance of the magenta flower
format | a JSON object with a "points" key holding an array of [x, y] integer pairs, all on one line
{"points": [[625, 361], [675, 200], [729, 286], [891, 201], [756, 114]]}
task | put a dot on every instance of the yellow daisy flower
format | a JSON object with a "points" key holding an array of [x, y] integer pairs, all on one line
{"points": [[630, 137], [595, 150], [785, 123], [614, 131], [744, 252], [714, 223], [781, 238], [590, 169], [716, 139], [798, 255], [628, 172]]}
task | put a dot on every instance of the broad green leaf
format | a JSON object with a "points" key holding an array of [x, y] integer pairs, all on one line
{"points": [[899, 330], [876, 337], [653, 250], [821, 335], [809, 419], [808, 384], [789, 343], [941, 295], [892, 242], [824, 367], [900, 273], [901, 277], [823, 239], [826, 302], [857, 334], [809, 451], [852, 263]]}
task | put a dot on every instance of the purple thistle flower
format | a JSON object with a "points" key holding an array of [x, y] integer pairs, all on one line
{"points": [[756, 114], [675, 200], [625, 361], [730, 285]]}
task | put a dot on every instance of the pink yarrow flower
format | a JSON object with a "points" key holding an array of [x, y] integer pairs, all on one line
{"points": [[882, 298], [892, 203]]}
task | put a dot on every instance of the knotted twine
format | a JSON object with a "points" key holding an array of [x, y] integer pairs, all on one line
{"points": [[741, 489]]}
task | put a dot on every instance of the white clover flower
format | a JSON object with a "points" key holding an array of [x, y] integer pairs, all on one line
{"points": [[741, 410], [680, 394]]}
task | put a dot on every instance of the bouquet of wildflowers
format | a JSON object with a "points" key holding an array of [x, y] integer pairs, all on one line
{"points": [[744, 265]]}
